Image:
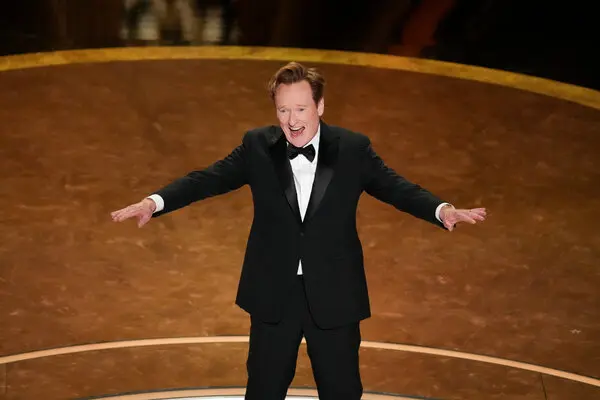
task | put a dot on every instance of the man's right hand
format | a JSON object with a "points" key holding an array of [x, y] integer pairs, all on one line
{"points": [[142, 211]]}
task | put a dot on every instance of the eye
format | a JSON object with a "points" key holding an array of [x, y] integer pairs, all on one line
{"points": [[301, 109]]}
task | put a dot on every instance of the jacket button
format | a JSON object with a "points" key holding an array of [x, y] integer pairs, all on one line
{"points": [[302, 234]]}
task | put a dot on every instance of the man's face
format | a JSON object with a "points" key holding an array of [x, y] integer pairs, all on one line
{"points": [[297, 112]]}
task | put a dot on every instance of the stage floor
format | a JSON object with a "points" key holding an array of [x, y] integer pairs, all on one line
{"points": [[81, 140]]}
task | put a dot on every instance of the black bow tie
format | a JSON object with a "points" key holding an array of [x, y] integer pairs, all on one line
{"points": [[308, 151]]}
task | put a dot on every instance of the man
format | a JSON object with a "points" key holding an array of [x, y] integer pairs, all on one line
{"points": [[303, 274]]}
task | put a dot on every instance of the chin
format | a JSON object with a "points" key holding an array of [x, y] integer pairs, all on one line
{"points": [[298, 142]]}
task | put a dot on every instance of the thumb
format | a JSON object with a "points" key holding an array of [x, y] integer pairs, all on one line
{"points": [[143, 219]]}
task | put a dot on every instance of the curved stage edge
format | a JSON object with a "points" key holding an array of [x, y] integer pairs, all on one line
{"points": [[244, 339], [236, 394], [576, 94]]}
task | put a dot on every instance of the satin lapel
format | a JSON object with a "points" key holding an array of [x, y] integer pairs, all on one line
{"points": [[284, 173], [328, 154]]}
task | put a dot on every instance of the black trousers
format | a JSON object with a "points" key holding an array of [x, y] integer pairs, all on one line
{"points": [[273, 354]]}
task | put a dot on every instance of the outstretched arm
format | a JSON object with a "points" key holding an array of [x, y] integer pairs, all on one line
{"points": [[383, 183], [221, 177]]}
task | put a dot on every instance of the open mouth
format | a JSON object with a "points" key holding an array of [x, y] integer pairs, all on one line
{"points": [[296, 131]]}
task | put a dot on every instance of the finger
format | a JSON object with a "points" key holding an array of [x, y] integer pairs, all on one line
{"points": [[116, 213], [477, 217], [480, 215], [479, 211], [127, 213], [466, 218], [121, 211], [119, 215], [143, 220]]}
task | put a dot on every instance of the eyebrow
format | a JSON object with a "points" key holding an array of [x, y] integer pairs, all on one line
{"points": [[296, 105]]}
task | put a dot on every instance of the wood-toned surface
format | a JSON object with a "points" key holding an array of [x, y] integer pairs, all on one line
{"points": [[171, 367], [3, 382], [79, 141], [445, 378], [561, 389], [127, 370]]}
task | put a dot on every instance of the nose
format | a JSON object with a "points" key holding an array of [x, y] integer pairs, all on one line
{"points": [[292, 120]]}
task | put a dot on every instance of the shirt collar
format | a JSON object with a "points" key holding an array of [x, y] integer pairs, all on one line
{"points": [[314, 141]]}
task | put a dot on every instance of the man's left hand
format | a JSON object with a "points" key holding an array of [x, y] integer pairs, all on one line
{"points": [[451, 216]]}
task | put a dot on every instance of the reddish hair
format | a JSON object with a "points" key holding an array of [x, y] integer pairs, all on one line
{"points": [[294, 72]]}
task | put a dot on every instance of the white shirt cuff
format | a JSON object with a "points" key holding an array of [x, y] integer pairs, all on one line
{"points": [[158, 200], [437, 211]]}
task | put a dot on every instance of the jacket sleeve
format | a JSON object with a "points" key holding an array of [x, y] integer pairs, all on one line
{"points": [[383, 183], [225, 175]]}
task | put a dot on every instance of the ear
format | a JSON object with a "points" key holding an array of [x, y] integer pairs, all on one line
{"points": [[321, 106]]}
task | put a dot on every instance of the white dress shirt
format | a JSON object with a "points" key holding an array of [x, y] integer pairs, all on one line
{"points": [[304, 176]]}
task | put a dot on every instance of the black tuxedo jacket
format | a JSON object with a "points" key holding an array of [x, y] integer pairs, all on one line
{"points": [[327, 239]]}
